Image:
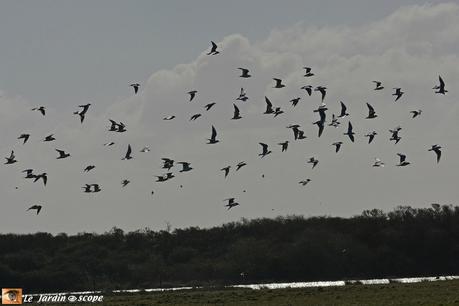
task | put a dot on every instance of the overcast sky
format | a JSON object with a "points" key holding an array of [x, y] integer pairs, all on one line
{"points": [[64, 53]]}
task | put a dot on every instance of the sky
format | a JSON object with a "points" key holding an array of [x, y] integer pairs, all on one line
{"points": [[61, 54]]}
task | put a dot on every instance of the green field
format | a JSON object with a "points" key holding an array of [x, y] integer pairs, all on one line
{"points": [[425, 293]]}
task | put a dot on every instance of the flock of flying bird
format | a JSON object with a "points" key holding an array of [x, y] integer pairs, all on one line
{"points": [[298, 134]]}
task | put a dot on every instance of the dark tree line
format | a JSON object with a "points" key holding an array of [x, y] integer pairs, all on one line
{"points": [[402, 243]]}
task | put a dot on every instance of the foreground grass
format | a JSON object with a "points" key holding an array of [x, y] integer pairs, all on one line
{"points": [[425, 293]]}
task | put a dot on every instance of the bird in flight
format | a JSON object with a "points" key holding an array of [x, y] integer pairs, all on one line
{"points": [[436, 148], [403, 161], [337, 145], [371, 136], [145, 150], [209, 106], [278, 83], [371, 112], [83, 111], [29, 173], [231, 203], [194, 117], [62, 154], [322, 90], [226, 170], [295, 101], [308, 89], [108, 144], [135, 86], [304, 182], [167, 163], [349, 132], [440, 88], [41, 109], [378, 163], [284, 145], [313, 161], [35, 207], [89, 168], [416, 113], [244, 73], [42, 176], [242, 95], [320, 125], [308, 72], [213, 137], [265, 150], [213, 50], [236, 114], [11, 159], [192, 94], [24, 137], [167, 118], [398, 93], [240, 165], [278, 111], [185, 166], [128, 153], [124, 183], [395, 135], [334, 121], [49, 138], [343, 110], [378, 85], [269, 106]]}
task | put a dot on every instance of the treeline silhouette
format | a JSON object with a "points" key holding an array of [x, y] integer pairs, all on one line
{"points": [[402, 243]]}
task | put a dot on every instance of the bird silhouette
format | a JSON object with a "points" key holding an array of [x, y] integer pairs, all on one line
{"points": [[194, 117], [371, 112], [213, 137], [226, 170], [236, 114], [209, 106], [213, 50], [398, 93], [278, 83], [231, 203], [192, 94], [11, 159], [24, 137], [436, 148], [269, 106], [403, 161], [135, 86], [62, 154], [337, 145], [244, 73], [41, 109], [313, 161], [308, 72], [265, 150], [378, 85], [441, 87], [35, 207], [128, 156], [350, 132]]}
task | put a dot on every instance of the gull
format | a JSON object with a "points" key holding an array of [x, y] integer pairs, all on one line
{"points": [[29, 173], [82, 113], [24, 137], [371, 136], [343, 110], [334, 121], [320, 125], [236, 114], [313, 161], [398, 93], [113, 125], [378, 163], [278, 83], [301, 135], [403, 161], [436, 148], [169, 117], [226, 169], [378, 85], [213, 50], [231, 203], [36, 207], [242, 95], [209, 106], [192, 94], [337, 145], [96, 187], [128, 153], [125, 182], [245, 73], [440, 88], [308, 72], [185, 166], [213, 138], [42, 176], [145, 150], [167, 163], [416, 113], [49, 138], [269, 106], [195, 116], [11, 159], [41, 109], [240, 165], [321, 110], [371, 112], [308, 89], [265, 150], [322, 90], [349, 132], [108, 144], [136, 87], [304, 182], [87, 188], [62, 154], [297, 133], [295, 101], [89, 168], [284, 145]]}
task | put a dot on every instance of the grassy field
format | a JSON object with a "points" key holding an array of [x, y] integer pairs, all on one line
{"points": [[425, 293]]}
